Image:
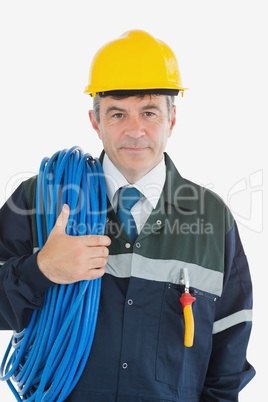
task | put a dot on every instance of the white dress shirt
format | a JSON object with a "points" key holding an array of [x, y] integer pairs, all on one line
{"points": [[150, 185]]}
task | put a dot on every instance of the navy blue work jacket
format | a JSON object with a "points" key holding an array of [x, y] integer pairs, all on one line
{"points": [[138, 352]]}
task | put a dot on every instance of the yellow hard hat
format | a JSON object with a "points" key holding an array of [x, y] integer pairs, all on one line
{"points": [[135, 61]]}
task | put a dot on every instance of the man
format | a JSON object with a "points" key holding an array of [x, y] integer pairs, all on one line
{"points": [[186, 242]]}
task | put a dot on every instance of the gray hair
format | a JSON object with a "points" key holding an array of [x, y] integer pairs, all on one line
{"points": [[96, 105]]}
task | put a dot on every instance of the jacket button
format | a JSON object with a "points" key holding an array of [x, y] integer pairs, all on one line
{"points": [[127, 245], [138, 245], [124, 365], [130, 302]]}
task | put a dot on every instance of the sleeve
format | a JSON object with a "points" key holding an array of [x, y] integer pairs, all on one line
{"points": [[22, 284], [229, 370]]}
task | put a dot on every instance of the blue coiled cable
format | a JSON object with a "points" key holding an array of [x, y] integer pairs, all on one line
{"points": [[49, 356]]}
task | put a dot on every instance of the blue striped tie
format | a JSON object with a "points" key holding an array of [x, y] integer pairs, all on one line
{"points": [[127, 198]]}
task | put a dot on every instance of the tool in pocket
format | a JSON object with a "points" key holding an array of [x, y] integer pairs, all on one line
{"points": [[187, 300]]}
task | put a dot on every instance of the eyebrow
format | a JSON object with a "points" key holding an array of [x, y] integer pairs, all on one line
{"points": [[114, 109], [152, 107], [118, 109]]}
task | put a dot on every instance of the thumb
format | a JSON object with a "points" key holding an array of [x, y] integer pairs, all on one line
{"points": [[62, 220]]}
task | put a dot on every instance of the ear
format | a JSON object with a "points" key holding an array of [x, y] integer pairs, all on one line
{"points": [[94, 123], [172, 119]]}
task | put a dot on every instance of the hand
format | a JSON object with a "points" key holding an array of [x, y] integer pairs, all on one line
{"points": [[67, 259]]}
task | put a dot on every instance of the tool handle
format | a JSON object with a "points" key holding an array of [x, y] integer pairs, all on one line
{"points": [[187, 301], [189, 326]]}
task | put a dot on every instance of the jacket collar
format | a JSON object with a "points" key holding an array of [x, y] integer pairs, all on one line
{"points": [[179, 192]]}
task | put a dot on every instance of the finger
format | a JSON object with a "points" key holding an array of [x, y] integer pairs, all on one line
{"points": [[62, 220], [96, 252], [95, 273], [95, 263], [96, 240]]}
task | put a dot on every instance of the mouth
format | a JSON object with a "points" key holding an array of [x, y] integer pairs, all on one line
{"points": [[135, 149]]}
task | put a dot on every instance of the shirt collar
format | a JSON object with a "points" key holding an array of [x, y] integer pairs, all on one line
{"points": [[150, 185]]}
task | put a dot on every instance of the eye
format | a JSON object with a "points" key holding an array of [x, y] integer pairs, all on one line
{"points": [[118, 115], [149, 114]]}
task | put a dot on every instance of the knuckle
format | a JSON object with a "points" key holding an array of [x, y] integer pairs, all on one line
{"points": [[102, 261], [104, 252], [92, 240], [100, 272], [102, 240], [107, 240], [96, 273], [99, 240]]}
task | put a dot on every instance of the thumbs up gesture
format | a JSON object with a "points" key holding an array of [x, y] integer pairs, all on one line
{"points": [[67, 259]]}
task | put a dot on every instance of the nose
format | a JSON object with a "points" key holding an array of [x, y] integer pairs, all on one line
{"points": [[135, 127]]}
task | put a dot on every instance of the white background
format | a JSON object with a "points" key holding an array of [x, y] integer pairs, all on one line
{"points": [[219, 140]]}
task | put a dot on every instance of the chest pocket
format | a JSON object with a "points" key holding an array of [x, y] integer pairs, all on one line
{"points": [[177, 364]]}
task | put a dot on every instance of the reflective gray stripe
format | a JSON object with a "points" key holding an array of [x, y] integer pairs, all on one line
{"points": [[2, 262], [119, 265], [126, 265], [231, 320]]}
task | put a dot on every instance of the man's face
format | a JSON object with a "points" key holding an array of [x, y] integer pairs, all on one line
{"points": [[134, 132]]}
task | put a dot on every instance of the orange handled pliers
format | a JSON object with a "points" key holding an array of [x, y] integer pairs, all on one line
{"points": [[187, 300]]}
